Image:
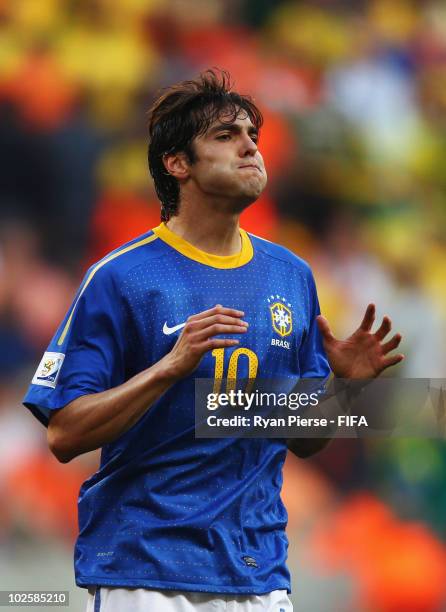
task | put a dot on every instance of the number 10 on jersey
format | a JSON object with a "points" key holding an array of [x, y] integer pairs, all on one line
{"points": [[231, 376]]}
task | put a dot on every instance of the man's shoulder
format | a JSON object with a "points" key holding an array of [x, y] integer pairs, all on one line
{"points": [[119, 262], [279, 252]]}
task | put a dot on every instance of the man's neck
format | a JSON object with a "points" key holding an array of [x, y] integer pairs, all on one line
{"points": [[217, 233]]}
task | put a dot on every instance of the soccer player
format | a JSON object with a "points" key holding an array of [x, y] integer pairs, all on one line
{"points": [[171, 523]]}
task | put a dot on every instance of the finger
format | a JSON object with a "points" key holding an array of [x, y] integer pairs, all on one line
{"points": [[213, 343], [217, 309], [217, 329], [384, 329], [325, 329], [199, 324], [391, 344], [369, 317], [393, 360]]}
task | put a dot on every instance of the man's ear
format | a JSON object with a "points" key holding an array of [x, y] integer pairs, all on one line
{"points": [[177, 165]]}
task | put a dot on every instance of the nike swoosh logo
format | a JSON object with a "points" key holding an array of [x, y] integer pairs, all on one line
{"points": [[171, 330]]}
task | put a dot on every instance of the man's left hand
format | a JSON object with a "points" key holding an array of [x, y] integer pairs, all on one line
{"points": [[363, 354]]}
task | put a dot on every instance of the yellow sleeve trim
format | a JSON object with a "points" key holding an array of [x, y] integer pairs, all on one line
{"points": [[102, 263], [215, 261]]}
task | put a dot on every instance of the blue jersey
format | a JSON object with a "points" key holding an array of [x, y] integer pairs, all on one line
{"points": [[166, 510]]}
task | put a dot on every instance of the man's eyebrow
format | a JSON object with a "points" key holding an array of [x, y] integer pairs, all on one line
{"points": [[231, 127]]}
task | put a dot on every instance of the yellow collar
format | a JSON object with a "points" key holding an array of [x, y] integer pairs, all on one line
{"points": [[215, 261]]}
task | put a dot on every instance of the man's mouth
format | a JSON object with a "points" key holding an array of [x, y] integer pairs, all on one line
{"points": [[251, 166]]}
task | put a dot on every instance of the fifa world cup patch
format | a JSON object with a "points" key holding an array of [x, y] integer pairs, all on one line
{"points": [[49, 369]]}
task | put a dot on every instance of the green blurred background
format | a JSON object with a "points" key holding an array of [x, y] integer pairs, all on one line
{"points": [[354, 97]]}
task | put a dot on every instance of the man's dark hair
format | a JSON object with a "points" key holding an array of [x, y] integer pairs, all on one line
{"points": [[183, 112]]}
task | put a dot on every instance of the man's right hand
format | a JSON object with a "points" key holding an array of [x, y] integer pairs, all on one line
{"points": [[198, 337]]}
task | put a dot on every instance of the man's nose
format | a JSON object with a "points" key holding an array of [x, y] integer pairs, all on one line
{"points": [[249, 147]]}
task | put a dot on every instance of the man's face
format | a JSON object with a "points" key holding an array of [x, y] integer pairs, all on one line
{"points": [[228, 163]]}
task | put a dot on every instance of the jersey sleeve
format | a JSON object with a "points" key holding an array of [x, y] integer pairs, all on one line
{"points": [[312, 357], [88, 352]]}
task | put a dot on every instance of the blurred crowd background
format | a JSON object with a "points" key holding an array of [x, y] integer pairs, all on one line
{"points": [[354, 98]]}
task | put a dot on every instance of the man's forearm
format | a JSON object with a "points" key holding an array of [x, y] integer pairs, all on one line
{"points": [[339, 398], [90, 421], [335, 399], [305, 447]]}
